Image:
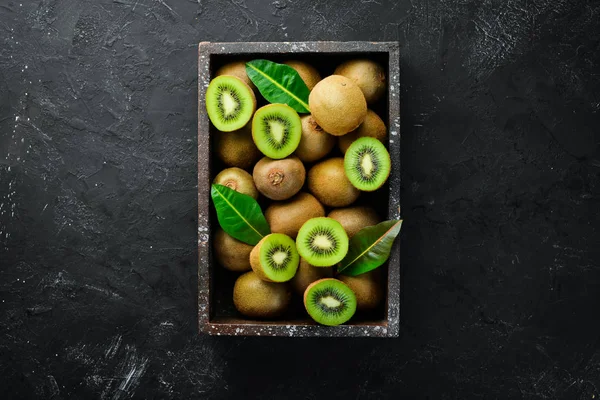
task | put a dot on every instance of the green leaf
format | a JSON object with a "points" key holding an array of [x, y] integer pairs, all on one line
{"points": [[239, 214], [370, 248], [279, 83]]}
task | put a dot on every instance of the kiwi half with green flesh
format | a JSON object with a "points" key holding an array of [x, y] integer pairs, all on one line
{"points": [[237, 149], [328, 182], [315, 142], [256, 298], [276, 130], [288, 216], [307, 274], [368, 289], [238, 180], [230, 103], [367, 164], [353, 219], [274, 258], [231, 253], [367, 74], [237, 69], [338, 105], [330, 302], [322, 242], [307, 72], [372, 126], [279, 179]]}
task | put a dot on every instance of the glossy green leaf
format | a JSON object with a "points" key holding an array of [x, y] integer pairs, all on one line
{"points": [[370, 248], [279, 83], [239, 215]]}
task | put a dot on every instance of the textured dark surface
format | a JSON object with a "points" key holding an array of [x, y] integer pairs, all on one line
{"points": [[501, 191]]}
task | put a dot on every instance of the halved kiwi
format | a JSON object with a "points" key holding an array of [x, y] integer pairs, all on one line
{"points": [[372, 126], [367, 164], [230, 103], [322, 242], [279, 179], [256, 298], [329, 302], [274, 258], [237, 149], [238, 180], [276, 130]]}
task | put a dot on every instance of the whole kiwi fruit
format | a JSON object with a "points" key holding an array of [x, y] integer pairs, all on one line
{"points": [[256, 298], [337, 104], [307, 274], [372, 126], [238, 180], [231, 253], [288, 216], [237, 69], [353, 219], [237, 148], [279, 179], [367, 74], [307, 72], [315, 142], [367, 287], [327, 181]]}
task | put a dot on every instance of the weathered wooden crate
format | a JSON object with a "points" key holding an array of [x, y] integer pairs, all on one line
{"points": [[216, 314]]}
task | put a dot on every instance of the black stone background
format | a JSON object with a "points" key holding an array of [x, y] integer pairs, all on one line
{"points": [[501, 172]]}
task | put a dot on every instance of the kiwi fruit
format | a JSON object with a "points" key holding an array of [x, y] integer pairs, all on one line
{"points": [[367, 74], [238, 180], [237, 69], [367, 287], [230, 103], [322, 242], [329, 302], [237, 149], [372, 126], [367, 164], [353, 219], [338, 105], [328, 182], [307, 72], [307, 274], [279, 179], [274, 258], [288, 216], [315, 143], [256, 298], [276, 130], [231, 253]]}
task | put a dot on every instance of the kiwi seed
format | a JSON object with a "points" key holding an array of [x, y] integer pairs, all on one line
{"points": [[230, 103], [279, 179], [238, 180], [256, 298], [328, 182]]}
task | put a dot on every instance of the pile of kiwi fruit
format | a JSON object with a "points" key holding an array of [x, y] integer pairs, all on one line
{"points": [[307, 171]]}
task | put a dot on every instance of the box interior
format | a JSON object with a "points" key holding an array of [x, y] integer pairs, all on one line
{"points": [[222, 310]]}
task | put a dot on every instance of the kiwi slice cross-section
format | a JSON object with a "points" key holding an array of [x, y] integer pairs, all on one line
{"points": [[329, 302], [274, 258], [276, 130], [322, 242], [367, 164], [230, 103]]}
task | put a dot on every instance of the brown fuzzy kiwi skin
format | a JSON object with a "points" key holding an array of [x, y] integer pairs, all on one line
{"points": [[307, 274], [279, 179], [256, 298], [367, 287], [368, 75], [372, 126], [288, 216], [353, 219], [237, 69], [238, 180], [338, 105], [308, 73], [237, 148], [315, 142], [231, 253], [327, 181]]}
